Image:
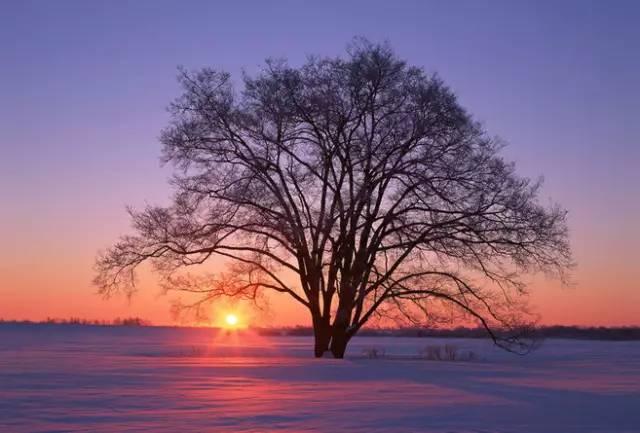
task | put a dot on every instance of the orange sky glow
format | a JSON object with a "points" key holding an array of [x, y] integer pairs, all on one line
{"points": [[47, 285]]}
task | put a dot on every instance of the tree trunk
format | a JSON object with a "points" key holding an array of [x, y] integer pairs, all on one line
{"points": [[339, 341], [322, 335], [339, 337]]}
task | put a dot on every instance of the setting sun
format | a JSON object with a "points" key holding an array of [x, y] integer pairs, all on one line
{"points": [[231, 320]]}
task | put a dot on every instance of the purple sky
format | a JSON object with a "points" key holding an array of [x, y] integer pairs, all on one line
{"points": [[84, 86]]}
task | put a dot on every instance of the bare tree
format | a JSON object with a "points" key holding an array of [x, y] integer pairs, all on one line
{"points": [[360, 176]]}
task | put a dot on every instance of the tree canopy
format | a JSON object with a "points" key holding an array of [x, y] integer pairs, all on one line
{"points": [[362, 177]]}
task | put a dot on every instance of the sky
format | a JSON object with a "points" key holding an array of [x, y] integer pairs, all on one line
{"points": [[84, 88]]}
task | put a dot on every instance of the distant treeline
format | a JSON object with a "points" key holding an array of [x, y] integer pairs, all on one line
{"points": [[570, 332], [127, 321]]}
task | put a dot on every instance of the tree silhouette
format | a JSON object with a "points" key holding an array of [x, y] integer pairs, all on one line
{"points": [[363, 178]]}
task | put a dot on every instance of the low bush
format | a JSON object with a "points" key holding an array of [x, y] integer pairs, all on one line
{"points": [[447, 352], [374, 352]]}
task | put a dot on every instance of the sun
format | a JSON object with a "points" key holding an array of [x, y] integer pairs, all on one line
{"points": [[231, 320]]}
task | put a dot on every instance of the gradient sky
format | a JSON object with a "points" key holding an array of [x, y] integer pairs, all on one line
{"points": [[84, 86]]}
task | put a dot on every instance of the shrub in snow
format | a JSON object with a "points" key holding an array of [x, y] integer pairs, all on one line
{"points": [[447, 352], [431, 352], [450, 352], [373, 352]]}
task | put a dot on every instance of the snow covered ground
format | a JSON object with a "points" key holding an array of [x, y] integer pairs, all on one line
{"points": [[95, 379]]}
